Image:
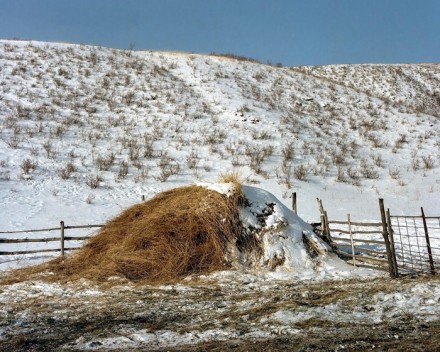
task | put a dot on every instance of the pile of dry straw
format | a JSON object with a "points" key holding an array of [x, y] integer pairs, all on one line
{"points": [[177, 233]]}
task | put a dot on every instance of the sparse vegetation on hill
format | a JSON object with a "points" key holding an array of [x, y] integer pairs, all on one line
{"points": [[100, 117]]}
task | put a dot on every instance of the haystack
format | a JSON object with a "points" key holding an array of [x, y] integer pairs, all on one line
{"points": [[177, 233]]}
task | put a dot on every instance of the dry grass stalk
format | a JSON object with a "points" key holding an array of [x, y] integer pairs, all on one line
{"points": [[177, 233]]}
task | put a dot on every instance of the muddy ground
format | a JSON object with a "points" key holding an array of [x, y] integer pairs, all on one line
{"points": [[245, 314]]}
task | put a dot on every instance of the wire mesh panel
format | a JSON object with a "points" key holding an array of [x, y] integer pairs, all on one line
{"points": [[416, 243]]}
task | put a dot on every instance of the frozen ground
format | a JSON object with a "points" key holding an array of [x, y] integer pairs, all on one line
{"points": [[223, 312]]}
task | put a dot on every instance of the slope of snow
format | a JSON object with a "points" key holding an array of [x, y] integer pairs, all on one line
{"points": [[87, 131]]}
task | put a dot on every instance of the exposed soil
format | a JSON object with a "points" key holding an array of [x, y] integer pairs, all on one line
{"points": [[240, 315]]}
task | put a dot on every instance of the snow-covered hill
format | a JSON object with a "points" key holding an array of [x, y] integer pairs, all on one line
{"points": [[87, 131]]}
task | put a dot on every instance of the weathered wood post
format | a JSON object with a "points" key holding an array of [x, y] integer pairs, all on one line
{"points": [[327, 227], [392, 246], [428, 244], [294, 207], [324, 221], [62, 238], [386, 239], [351, 240]]}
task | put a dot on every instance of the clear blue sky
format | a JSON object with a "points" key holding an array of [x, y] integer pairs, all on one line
{"points": [[293, 32]]}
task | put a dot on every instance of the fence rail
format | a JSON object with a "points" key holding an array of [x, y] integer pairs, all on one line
{"points": [[363, 247], [62, 239]]}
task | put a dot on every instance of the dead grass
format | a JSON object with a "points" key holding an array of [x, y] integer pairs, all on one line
{"points": [[233, 177], [177, 233]]}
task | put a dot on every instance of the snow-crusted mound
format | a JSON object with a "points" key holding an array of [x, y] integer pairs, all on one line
{"points": [[273, 239], [200, 229], [284, 242]]}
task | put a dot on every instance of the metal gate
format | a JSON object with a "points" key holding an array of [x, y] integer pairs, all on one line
{"points": [[416, 243]]}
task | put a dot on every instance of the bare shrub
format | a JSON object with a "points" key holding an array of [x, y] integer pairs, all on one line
{"points": [[428, 162], [394, 173], [288, 151], [93, 181], [207, 167], [338, 158], [47, 146], [257, 156], [123, 169], [57, 131], [368, 170], [287, 173], [352, 173], [235, 57], [93, 58], [237, 161], [148, 146], [168, 167], [341, 174], [134, 149], [243, 109], [67, 171], [13, 142], [378, 161], [192, 160], [215, 137], [400, 141], [300, 172], [377, 142], [138, 164], [415, 163], [28, 166], [104, 163], [128, 98], [261, 135], [142, 175]]}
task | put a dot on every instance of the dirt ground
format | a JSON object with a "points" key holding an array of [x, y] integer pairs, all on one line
{"points": [[228, 315]]}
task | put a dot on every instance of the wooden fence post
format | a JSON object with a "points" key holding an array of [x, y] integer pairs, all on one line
{"points": [[392, 246], [62, 238], [351, 240], [428, 244], [327, 227], [294, 207], [386, 239]]}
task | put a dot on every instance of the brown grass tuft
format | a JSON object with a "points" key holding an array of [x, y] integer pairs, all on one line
{"points": [[233, 177]]}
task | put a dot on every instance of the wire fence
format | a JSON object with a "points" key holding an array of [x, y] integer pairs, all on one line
{"points": [[417, 243]]}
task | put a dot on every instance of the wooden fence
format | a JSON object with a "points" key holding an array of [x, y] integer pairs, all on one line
{"points": [[361, 242], [371, 243], [62, 239], [400, 244]]}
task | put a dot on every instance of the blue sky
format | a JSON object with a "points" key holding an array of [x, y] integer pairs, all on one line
{"points": [[307, 32]]}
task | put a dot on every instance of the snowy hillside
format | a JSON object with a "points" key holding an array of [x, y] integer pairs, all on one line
{"points": [[87, 131]]}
